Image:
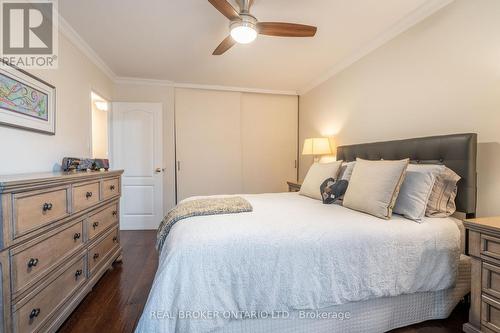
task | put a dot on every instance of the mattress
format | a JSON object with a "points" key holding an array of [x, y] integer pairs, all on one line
{"points": [[372, 316], [293, 253]]}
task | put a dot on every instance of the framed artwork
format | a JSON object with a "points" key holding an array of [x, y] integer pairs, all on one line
{"points": [[26, 102]]}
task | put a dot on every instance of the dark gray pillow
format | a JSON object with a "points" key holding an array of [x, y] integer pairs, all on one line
{"points": [[332, 190]]}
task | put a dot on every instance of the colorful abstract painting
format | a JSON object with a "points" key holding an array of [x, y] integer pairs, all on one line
{"points": [[21, 98]]}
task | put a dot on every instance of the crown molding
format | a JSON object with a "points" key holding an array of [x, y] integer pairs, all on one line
{"points": [[166, 83], [236, 89], [67, 30], [425, 10], [142, 81]]}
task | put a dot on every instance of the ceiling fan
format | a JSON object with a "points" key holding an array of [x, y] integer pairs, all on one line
{"points": [[244, 26]]}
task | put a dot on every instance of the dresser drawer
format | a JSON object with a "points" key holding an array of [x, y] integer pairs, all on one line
{"points": [[490, 313], [99, 251], [33, 261], [101, 221], [110, 188], [85, 195], [490, 246], [32, 314], [37, 208], [491, 280]]}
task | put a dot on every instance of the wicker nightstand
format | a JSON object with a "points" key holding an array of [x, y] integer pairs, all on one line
{"points": [[484, 250], [293, 186]]}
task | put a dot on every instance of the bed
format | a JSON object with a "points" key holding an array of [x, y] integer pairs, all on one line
{"points": [[296, 265]]}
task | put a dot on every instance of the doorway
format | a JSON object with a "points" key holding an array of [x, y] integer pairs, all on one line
{"points": [[100, 126]]}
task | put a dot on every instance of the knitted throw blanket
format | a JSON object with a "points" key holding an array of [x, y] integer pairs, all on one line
{"points": [[199, 207]]}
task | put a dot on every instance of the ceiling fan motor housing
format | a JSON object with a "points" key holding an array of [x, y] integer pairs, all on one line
{"points": [[247, 20]]}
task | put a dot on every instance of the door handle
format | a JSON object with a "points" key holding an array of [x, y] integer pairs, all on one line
{"points": [[159, 170]]}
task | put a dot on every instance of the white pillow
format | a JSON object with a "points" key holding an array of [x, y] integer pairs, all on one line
{"points": [[416, 190], [317, 174], [374, 186]]}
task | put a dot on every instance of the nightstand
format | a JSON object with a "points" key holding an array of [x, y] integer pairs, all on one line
{"points": [[484, 250], [293, 186]]}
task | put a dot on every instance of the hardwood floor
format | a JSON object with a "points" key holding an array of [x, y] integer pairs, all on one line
{"points": [[116, 302]]}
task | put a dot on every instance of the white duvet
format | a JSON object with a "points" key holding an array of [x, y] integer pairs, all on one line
{"points": [[292, 253]]}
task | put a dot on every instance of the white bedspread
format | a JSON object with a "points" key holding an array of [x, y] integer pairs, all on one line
{"points": [[293, 253]]}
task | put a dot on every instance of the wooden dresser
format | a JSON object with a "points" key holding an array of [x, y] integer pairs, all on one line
{"points": [[60, 233], [484, 249]]}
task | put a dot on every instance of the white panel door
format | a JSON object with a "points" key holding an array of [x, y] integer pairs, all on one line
{"points": [[208, 142], [269, 142], [137, 148]]}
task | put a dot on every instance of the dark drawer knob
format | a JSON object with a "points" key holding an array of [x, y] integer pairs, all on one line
{"points": [[88, 195], [95, 224], [34, 313], [77, 236], [112, 187], [47, 206], [115, 239], [96, 255], [78, 273], [115, 213], [32, 262]]}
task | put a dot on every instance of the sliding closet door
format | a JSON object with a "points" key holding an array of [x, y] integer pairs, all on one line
{"points": [[208, 142], [269, 141]]}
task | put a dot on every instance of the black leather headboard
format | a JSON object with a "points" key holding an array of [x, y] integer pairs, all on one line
{"points": [[457, 151]]}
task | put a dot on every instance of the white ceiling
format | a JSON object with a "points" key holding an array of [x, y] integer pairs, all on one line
{"points": [[174, 39]]}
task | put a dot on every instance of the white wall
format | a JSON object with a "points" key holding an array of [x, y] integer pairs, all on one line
{"points": [[440, 77], [23, 151]]}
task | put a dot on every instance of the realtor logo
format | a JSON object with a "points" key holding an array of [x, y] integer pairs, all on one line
{"points": [[29, 33]]}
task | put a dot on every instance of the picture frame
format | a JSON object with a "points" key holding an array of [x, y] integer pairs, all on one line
{"points": [[26, 102]]}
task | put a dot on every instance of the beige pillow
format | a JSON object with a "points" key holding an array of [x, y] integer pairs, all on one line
{"points": [[442, 199], [317, 174], [374, 186]]}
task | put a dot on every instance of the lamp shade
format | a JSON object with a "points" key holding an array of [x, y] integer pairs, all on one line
{"points": [[317, 146]]}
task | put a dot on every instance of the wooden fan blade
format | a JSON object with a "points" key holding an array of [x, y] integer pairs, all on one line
{"points": [[285, 29], [225, 45], [225, 8]]}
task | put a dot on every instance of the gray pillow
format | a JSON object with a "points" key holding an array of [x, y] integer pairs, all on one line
{"points": [[374, 186], [415, 191]]}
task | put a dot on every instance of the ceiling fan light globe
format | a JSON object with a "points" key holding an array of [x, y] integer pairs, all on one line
{"points": [[243, 34]]}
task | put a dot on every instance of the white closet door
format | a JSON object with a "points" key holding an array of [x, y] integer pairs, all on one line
{"points": [[208, 142], [269, 142]]}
